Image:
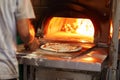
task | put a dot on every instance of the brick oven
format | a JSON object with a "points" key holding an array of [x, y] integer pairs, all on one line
{"points": [[89, 23]]}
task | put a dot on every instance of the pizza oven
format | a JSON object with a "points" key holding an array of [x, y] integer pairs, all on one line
{"points": [[87, 23], [76, 21], [81, 21]]}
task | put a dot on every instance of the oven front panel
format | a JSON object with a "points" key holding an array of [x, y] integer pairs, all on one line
{"points": [[97, 12]]}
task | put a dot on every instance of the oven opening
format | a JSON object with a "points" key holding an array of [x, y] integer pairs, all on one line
{"points": [[88, 27], [69, 29]]}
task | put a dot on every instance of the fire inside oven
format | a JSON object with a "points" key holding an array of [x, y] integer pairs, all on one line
{"points": [[81, 22], [70, 29]]}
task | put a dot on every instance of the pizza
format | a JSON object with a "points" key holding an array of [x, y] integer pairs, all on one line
{"points": [[61, 47]]}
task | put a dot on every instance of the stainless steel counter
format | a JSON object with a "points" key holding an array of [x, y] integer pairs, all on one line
{"points": [[92, 61]]}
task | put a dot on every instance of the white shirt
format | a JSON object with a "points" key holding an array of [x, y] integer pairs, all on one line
{"points": [[10, 10]]}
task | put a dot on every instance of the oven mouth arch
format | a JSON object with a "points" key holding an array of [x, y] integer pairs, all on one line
{"points": [[81, 12], [95, 22]]}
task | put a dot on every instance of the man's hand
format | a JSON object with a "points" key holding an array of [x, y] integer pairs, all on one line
{"points": [[33, 45]]}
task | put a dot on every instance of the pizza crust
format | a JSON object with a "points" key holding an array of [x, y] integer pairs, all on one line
{"points": [[61, 47]]}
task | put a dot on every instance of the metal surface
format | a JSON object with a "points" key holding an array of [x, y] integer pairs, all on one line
{"points": [[91, 61]]}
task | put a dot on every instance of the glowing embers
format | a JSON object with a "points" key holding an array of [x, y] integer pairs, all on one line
{"points": [[69, 29]]}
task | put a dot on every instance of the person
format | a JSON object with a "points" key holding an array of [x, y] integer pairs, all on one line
{"points": [[15, 17]]}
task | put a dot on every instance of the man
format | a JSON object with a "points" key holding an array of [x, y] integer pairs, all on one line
{"points": [[14, 16]]}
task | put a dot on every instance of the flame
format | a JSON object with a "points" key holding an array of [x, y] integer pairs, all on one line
{"points": [[85, 27], [31, 30], [79, 29], [111, 28]]}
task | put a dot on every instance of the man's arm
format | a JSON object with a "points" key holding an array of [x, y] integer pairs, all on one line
{"points": [[27, 34]]}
